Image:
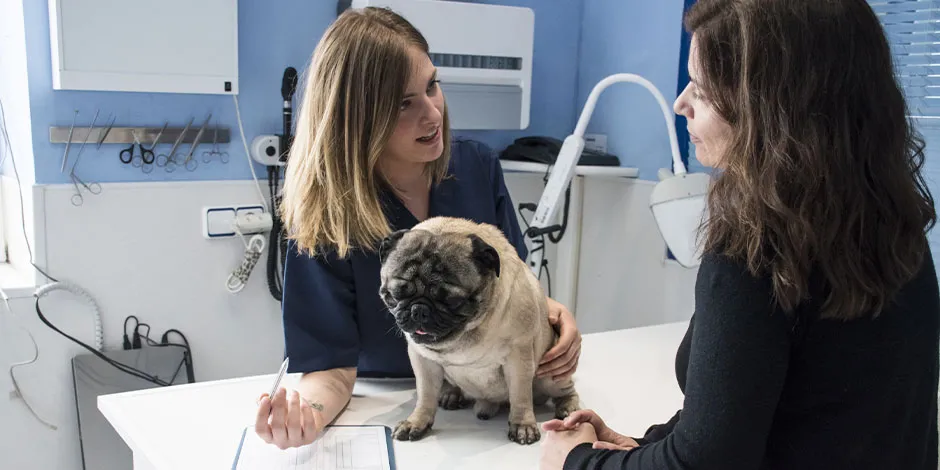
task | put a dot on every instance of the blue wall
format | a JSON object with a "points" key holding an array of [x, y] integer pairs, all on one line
{"points": [[555, 71], [269, 41], [631, 36]]}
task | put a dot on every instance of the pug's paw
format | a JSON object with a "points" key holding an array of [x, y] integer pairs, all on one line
{"points": [[408, 430], [485, 409], [524, 434], [564, 406], [452, 398]]}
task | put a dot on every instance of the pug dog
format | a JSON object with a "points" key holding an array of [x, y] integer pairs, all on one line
{"points": [[476, 322]]}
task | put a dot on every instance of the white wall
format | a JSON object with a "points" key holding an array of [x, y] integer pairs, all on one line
{"points": [[14, 95], [138, 249], [624, 280], [622, 277], [14, 89]]}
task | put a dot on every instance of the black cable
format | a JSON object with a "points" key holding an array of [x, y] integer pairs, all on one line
{"points": [[539, 243], [277, 241], [127, 342], [548, 275], [118, 365]]}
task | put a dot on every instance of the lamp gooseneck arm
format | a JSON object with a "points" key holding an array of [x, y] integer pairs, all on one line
{"points": [[581, 127]]}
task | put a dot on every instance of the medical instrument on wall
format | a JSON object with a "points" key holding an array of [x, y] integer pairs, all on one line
{"points": [[677, 202], [104, 135], [125, 135], [208, 155], [277, 240], [68, 143], [78, 198], [189, 162], [147, 166], [127, 156], [165, 160], [85, 141]]}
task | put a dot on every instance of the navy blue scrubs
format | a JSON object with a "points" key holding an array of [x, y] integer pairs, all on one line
{"points": [[333, 316]]}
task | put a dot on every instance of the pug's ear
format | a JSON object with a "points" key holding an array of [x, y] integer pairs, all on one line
{"points": [[388, 243], [484, 255]]}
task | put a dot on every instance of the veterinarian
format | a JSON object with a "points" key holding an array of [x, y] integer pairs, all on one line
{"points": [[814, 342], [372, 154]]}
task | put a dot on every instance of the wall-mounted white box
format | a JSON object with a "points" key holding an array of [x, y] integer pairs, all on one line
{"points": [[170, 46]]}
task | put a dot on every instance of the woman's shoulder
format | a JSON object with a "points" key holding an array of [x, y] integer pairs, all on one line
{"points": [[719, 272], [472, 156]]}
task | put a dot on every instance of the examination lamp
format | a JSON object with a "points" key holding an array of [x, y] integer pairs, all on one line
{"points": [[677, 201]]}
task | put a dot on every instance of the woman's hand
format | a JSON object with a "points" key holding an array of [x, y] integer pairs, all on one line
{"points": [[556, 445], [287, 421], [606, 438], [561, 361]]}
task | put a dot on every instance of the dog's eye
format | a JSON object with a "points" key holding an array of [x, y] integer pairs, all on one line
{"points": [[455, 302]]}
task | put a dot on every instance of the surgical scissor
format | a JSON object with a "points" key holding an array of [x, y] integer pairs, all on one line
{"points": [[77, 198], [146, 166], [189, 162], [127, 155], [168, 160], [207, 155]]}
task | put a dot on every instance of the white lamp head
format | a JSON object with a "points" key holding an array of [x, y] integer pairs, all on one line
{"points": [[678, 203]]}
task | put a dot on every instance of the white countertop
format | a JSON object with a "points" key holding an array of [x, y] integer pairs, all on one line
{"points": [[627, 376], [581, 170]]}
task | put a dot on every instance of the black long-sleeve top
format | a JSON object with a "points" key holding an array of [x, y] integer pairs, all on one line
{"points": [[765, 390]]}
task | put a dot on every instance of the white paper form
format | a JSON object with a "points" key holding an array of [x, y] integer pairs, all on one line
{"points": [[338, 448]]}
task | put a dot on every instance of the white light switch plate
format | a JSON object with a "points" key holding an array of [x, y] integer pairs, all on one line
{"points": [[218, 222]]}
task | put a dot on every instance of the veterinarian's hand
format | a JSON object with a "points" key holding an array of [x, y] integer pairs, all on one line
{"points": [[606, 438], [556, 445], [287, 421], [561, 361]]}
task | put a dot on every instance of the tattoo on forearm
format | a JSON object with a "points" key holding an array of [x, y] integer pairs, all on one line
{"points": [[314, 405]]}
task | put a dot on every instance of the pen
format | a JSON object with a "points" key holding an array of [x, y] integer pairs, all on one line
{"points": [[277, 380]]}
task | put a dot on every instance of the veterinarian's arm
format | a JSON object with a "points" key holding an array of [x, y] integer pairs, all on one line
{"points": [[737, 368], [327, 392], [561, 361], [296, 418]]}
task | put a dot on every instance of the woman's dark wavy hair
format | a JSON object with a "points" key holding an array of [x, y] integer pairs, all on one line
{"points": [[822, 174]]}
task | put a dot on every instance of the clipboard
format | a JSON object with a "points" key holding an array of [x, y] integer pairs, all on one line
{"points": [[271, 457]]}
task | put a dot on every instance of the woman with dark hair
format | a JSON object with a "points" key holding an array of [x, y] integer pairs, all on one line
{"points": [[814, 342]]}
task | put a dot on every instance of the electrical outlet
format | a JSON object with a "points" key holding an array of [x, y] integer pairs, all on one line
{"points": [[253, 220]]}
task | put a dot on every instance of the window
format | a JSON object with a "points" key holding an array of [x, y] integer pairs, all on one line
{"points": [[913, 30]]}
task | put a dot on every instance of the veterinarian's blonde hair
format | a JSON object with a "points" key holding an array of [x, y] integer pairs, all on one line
{"points": [[351, 101]]}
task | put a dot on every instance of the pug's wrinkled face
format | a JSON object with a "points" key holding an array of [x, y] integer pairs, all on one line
{"points": [[433, 284]]}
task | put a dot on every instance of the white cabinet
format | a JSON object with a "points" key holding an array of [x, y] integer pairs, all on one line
{"points": [[169, 46]]}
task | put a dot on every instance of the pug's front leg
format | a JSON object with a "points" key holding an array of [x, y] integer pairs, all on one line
{"points": [[520, 373], [429, 378]]}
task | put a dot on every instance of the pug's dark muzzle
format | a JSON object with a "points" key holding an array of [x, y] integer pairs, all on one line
{"points": [[423, 321]]}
